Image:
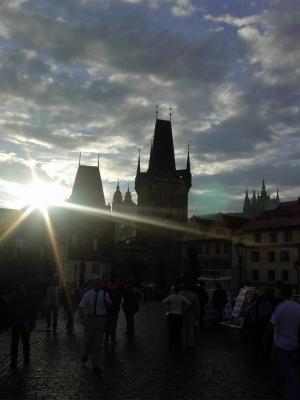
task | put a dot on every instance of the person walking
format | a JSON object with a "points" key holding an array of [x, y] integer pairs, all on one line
{"points": [[262, 311], [115, 292], [285, 323], [22, 315], [53, 298], [219, 300], [190, 317], [203, 300], [176, 304], [130, 307], [93, 308]]}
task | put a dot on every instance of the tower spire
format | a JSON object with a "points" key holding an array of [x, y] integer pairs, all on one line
{"points": [[98, 160], [162, 157], [170, 113], [188, 164], [79, 157], [138, 170], [156, 112]]}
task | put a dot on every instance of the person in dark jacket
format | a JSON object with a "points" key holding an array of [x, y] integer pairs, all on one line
{"points": [[130, 307], [203, 299], [22, 317], [219, 300]]}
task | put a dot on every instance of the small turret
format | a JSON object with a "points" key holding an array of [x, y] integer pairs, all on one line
{"points": [[117, 199], [247, 205]]}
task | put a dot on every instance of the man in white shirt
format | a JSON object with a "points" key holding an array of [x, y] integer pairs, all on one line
{"points": [[176, 304], [286, 323], [94, 308]]}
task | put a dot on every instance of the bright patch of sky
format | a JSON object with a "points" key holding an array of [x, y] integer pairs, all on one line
{"points": [[85, 76]]}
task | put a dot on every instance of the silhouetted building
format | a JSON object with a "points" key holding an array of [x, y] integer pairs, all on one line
{"points": [[208, 247], [260, 202], [90, 230], [162, 190]]}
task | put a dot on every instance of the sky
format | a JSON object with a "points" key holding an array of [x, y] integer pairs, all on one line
{"points": [[86, 75]]}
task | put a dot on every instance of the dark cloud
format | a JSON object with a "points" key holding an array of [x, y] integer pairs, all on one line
{"points": [[86, 75]]}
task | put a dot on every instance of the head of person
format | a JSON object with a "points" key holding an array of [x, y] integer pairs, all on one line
{"points": [[286, 292], [176, 289], [97, 283]]}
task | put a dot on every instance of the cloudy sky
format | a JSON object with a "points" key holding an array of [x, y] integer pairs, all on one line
{"points": [[86, 75]]}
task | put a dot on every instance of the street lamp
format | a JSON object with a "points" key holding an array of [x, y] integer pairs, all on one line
{"points": [[240, 251]]}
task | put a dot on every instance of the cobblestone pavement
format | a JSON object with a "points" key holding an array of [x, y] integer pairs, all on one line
{"points": [[221, 366]]}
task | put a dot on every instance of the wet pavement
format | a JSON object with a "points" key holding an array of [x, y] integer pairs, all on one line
{"points": [[222, 366]]}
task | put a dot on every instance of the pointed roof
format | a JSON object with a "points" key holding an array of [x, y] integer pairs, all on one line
{"points": [[162, 156], [263, 189], [138, 169], [117, 197], [127, 195], [188, 163], [87, 189]]}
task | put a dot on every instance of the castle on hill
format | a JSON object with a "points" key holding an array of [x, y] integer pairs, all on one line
{"points": [[259, 202]]}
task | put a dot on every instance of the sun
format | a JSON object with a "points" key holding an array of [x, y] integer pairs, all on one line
{"points": [[40, 194]]}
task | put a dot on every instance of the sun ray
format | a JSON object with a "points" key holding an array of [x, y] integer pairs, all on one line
{"points": [[54, 244], [12, 228]]}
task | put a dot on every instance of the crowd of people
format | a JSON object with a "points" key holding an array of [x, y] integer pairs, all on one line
{"points": [[272, 320]]}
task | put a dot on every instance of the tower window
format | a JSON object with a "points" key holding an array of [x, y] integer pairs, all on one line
{"points": [[287, 236], [284, 255], [271, 256], [273, 237]]}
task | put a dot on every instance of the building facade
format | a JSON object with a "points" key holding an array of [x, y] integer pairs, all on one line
{"points": [[209, 248], [272, 244]]}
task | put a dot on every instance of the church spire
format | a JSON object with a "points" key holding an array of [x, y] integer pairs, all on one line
{"points": [[162, 156], [188, 164], [138, 170], [247, 205]]}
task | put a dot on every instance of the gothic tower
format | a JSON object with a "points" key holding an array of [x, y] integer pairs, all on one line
{"points": [[163, 190], [87, 189]]}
